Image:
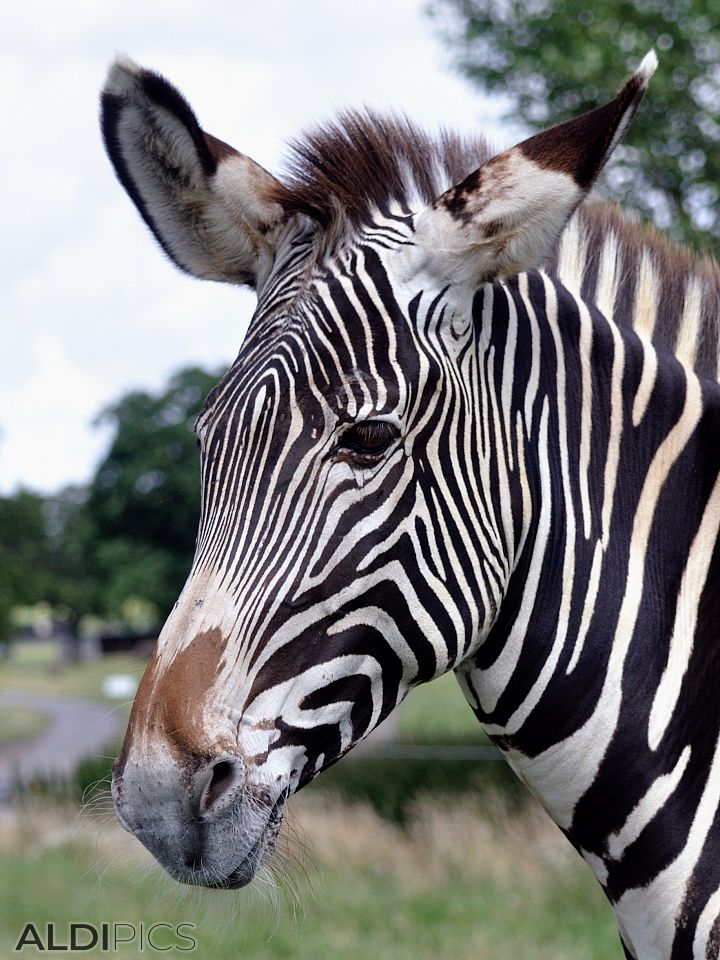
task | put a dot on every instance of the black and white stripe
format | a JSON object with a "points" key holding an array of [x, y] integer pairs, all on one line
{"points": [[429, 456]]}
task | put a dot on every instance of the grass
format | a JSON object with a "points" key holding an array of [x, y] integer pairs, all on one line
{"points": [[33, 667], [20, 723], [392, 787], [434, 715], [400, 862], [455, 881], [437, 712]]}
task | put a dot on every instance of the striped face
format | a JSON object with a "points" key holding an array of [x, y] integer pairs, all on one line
{"points": [[332, 572], [323, 551], [358, 528], [310, 498]]}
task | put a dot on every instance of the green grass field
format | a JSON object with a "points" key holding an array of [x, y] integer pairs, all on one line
{"points": [[450, 884], [437, 712], [20, 723], [397, 858], [33, 667]]}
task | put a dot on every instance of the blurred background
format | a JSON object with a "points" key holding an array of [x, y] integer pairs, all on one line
{"points": [[423, 844]]}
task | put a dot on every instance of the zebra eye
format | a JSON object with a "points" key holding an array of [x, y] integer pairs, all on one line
{"points": [[370, 437]]}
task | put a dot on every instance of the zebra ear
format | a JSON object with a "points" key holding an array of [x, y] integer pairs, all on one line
{"points": [[506, 216], [204, 201]]}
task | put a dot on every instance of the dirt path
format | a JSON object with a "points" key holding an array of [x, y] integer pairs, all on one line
{"points": [[77, 729]]}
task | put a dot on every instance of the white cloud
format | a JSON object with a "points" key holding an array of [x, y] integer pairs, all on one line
{"points": [[51, 439]]}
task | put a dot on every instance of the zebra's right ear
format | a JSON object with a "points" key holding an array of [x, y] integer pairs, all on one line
{"points": [[205, 202], [506, 216]]}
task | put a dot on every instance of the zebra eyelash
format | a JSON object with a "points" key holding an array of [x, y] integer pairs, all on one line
{"points": [[366, 441]]}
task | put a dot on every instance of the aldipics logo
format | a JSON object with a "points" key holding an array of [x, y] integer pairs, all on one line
{"points": [[106, 937]]}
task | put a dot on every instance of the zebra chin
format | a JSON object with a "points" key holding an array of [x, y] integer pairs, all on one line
{"points": [[203, 821]]}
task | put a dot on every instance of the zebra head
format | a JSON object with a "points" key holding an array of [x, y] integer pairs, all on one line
{"points": [[358, 527]]}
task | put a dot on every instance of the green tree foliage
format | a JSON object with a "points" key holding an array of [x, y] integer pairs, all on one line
{"points": [[70, 584], [43, 555], [554, 60], [22, 538], [144, 501]]}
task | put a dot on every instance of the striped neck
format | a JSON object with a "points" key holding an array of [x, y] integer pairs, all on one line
{"points": [[604, 620]]}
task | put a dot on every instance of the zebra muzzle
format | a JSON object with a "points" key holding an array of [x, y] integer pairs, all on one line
{"points": [[204, 821]]}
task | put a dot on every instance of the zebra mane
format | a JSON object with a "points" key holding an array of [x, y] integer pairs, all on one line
{"points": [[634, 274], [341, 173]]}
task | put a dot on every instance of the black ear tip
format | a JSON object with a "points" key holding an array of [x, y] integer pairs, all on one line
{"points": [[127, 80], [164, 94], [129, 84]]}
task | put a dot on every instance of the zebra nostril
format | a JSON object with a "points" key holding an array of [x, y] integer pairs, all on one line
{"points": [[225, 776]]}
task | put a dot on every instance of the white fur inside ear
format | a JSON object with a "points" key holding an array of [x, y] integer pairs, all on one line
{"points": [[509, 224], [173, 203], [241, 183], [240, 223], [217, 225]]}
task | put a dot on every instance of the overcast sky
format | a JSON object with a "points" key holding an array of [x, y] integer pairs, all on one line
{"points": [[89, 306]]}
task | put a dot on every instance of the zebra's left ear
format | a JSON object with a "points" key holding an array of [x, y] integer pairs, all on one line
{"points": [[209, 206], [506, 216]]}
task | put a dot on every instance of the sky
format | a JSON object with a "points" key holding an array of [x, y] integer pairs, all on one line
{"points": [[89, 306]]}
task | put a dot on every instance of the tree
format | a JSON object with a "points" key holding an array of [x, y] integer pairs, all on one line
{"points": [[144, 501], [43, 556], [70, 584], [22, 540], [555, 60]]}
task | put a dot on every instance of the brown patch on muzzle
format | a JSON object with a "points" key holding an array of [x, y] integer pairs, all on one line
{"points": [[170, 702]]}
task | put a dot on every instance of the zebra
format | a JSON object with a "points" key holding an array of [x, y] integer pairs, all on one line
{"points": [[471, 427]]}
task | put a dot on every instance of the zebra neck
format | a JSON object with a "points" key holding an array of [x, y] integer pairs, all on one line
{"points": [[599, 677], [600, 614]]}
